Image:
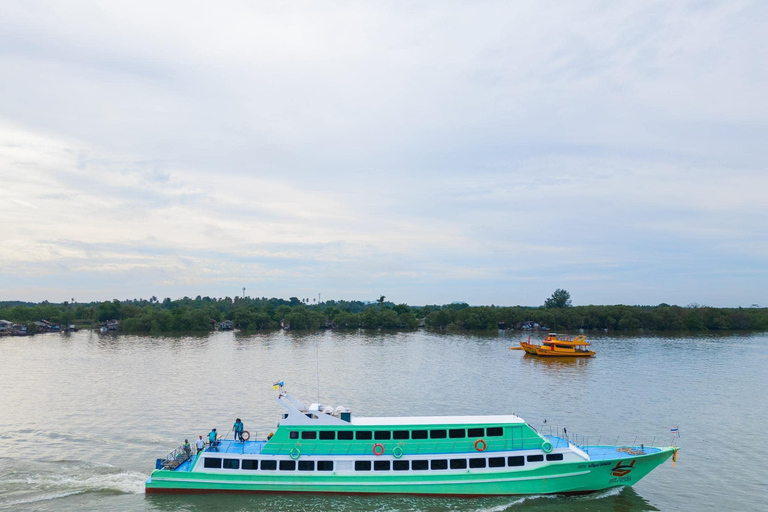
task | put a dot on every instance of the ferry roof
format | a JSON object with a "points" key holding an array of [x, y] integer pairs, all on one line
{"points": [[434, 420]]}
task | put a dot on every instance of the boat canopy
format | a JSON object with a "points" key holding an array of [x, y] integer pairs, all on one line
{"points": [[437, 420], [317, 414]]}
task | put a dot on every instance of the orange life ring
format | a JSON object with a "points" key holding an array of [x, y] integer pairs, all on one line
{"points": [[378, 449], [480, 442]]}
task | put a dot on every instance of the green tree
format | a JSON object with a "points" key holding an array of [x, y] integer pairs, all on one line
{"points": [[388, 319], [407, 320], [559, 299], [347, 320], [369, 319]]}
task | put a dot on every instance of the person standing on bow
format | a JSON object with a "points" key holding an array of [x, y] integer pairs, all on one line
{"points": [[238, 428]]}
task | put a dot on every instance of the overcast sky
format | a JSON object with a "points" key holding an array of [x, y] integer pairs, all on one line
{"points": [[431, 152]]}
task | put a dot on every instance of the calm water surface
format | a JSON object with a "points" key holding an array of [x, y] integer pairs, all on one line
{"points": [[84, 416]]}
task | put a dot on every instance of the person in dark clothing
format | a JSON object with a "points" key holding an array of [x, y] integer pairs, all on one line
{"points": [[238, 428]]}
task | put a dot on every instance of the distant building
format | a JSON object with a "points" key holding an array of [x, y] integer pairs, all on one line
{"points": [[44, 326], [5, 326]]}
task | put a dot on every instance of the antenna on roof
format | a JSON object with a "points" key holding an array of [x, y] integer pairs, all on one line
{"points": [[317, 369]]}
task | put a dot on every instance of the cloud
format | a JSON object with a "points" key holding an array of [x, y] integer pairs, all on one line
{"points": [[487, 152]]}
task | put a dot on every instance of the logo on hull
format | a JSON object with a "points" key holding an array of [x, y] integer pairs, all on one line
{"points": [[622, 469]]}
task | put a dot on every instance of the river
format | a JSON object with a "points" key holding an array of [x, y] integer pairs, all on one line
{"points": [[83, 416]]}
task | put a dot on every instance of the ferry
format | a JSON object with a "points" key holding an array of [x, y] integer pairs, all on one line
{"points": [[322, 449], [556, 346]]}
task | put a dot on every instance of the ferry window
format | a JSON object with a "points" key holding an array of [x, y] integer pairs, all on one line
{"points": [[476, 463], [439, 464], [306, 465], [400, 465], [554, 456], [212, 463], [325, 465], [381, 465], [363, 434], [419, 434], [458, 463], [495, 431], [250, 464], [535, 458], [475, 432], [400, 434], [327, 435], [516, 461], [419, 465], [496, 462], [269, 465], [287, 465], [231, 463], [309, 435], [382, 435], [344, 435], [456, 433], [294, 434], [362, 465], [437, 434], [563, 346]]}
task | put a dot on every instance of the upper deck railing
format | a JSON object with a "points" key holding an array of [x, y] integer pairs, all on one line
{"points": [[597, 446]]}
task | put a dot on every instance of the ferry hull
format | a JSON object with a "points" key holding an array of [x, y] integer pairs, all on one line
{"points": [[561, 478]]}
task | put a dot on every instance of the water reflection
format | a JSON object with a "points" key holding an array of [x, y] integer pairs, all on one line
{"points": [[113, 341], [617, 500], [558, 365]]}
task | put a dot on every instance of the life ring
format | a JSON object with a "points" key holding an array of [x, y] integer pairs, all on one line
{"points": [[480, 443], [397, 452], [245, 435], [378, 449], [295, 453], [546, 447]]}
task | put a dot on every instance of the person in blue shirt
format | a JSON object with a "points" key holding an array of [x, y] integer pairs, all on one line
{"points": [[212, 439], [238, 428]]}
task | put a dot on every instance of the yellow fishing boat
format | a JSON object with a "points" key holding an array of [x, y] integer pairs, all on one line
{"points": [[556, 346]]}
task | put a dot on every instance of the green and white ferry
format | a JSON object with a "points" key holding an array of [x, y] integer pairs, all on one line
{"points": [[317, 448]]}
